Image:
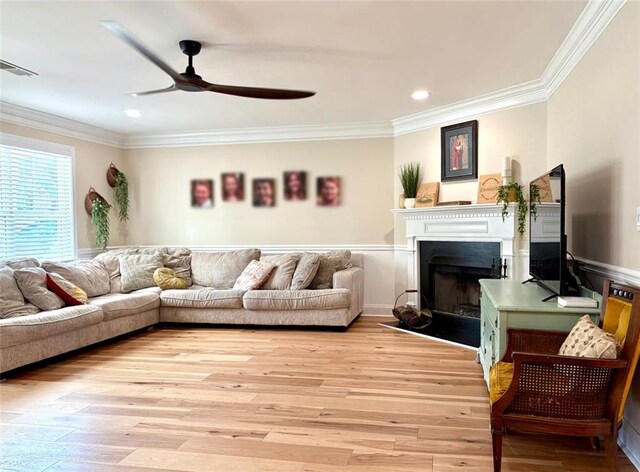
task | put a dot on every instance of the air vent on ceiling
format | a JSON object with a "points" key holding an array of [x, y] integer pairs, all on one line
{"points": [[14, 69]]}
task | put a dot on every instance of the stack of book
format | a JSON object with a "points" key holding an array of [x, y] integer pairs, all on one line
{"points": [[577, 302]]}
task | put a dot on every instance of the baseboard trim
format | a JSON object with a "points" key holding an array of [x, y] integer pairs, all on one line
{"points": [[629, 442], [377, 309]]}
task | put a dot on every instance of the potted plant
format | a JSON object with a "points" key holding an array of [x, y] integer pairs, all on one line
{"points": [[510, 193], [118, 181], [410, 177], [98, 209]]}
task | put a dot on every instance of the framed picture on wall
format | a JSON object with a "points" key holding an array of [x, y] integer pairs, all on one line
{"points": [[328, 191], [295, 185], [232, 187], [264, 192], [202, 193], [459, 148]]}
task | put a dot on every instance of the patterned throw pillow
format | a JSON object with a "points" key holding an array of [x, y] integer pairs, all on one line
{"points": [[330, 263], [71, 294], [136, 270], [305, 271], [255, 274], [587, 340], [167, 279], [32, 282]]}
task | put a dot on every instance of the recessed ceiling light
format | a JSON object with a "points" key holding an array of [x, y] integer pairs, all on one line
{"points": [[133, 113], [420, 95]]}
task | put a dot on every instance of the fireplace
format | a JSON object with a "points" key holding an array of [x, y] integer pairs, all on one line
{"points": [[449, 248], [450, 271]]}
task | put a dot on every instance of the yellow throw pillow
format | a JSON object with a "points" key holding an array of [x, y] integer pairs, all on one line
{"points": [[167, 279]]}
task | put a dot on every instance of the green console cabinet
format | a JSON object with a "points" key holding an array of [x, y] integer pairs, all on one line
{"points": [[508, 303]]}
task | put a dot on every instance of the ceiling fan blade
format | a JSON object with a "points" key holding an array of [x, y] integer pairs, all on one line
{"points": [[153, 92], [256, 92], [121, 32]]}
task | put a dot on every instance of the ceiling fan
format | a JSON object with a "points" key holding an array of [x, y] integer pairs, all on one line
{"points": [[189, 81]]}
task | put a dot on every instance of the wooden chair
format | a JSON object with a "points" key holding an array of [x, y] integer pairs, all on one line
{"points": [[535, 389]]}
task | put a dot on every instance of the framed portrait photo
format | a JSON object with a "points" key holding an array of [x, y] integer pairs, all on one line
{"points": [[459, 147], [202, 193], [328, 191], [264, 193], [295, 185], [232, 186]]}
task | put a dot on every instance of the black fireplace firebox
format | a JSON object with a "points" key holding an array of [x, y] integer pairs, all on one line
{"points": [[449, 275]]}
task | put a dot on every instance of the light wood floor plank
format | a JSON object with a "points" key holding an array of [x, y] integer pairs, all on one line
{"points": [[249, 400]]}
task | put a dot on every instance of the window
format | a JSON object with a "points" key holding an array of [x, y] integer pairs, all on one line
{"points": [[36, 199]]}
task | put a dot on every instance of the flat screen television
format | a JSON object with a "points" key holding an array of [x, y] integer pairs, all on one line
{"points": [[547, 238]]}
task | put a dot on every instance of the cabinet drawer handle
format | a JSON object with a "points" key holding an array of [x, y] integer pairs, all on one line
{"points": [[496, 322]]}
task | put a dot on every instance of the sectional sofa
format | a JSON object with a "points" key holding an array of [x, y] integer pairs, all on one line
{"points": [[210, 298]]}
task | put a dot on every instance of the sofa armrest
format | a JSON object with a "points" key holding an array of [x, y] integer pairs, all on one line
{"points": [[352, 279]]}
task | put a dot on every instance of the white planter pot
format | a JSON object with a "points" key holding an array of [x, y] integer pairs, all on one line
{"points": [[409, 202]]}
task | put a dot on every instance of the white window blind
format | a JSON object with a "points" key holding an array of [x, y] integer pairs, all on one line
{"points": [[36, 199]]}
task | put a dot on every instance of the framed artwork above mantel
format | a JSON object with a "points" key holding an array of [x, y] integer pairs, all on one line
{"points": [[459, 148]]}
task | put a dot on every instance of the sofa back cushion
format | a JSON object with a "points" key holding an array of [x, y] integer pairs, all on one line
{"points": [[282, 276], [32, 282], [179, 260], [305, 271], [220, 270], [136, 270], [330, 263], [90, 275], [21, 263], [12, 301]]}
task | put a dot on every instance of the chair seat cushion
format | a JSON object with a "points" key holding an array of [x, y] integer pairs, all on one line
{"points": [[21, 330], [283, 300], [202, 297], [117, 305], [500, 377]]}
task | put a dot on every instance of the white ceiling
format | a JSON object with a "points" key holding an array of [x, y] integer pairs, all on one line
{"points": [[364, 58]]}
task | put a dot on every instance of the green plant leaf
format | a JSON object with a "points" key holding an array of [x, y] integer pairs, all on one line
{"points": [[121, 196], [410, 177], [100, 220]]}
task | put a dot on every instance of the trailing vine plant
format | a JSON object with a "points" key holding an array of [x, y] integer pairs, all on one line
{"points": [[512, 192], [100, 220], [534, 199], [121, 196]]}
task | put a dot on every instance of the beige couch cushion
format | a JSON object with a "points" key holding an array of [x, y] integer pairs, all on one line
{"points": [[117, 305], [179, 259], [284, 300], [283, 274], [220, 270], [90, 275], [15, 331], [136, 270], [21, 263], [202, 297], [32, 282], [330, 263], [12, 301], [305, 271]]}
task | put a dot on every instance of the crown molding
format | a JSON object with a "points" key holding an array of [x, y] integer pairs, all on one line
{"points": [[272, 134], [28, 117], [593, 20]]}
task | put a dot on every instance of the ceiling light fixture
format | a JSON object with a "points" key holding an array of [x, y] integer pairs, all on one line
{"points": [[420, 95], [133, 113]]}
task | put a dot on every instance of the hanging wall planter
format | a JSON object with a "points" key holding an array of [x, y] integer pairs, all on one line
{"points": [[98, 209], [118, 181]]}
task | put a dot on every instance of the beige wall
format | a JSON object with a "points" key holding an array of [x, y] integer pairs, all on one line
{"points": [[161, 213], [519, 133], [91, 163], [594, 129]]}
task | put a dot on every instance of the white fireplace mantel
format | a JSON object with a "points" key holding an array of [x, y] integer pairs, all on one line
{"points": [[481, 223]]}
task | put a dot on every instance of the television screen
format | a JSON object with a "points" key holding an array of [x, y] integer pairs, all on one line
{"points": [[547, 248]]}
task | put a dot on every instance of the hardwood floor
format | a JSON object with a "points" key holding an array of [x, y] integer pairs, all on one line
{"points": [[204, 399]]}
